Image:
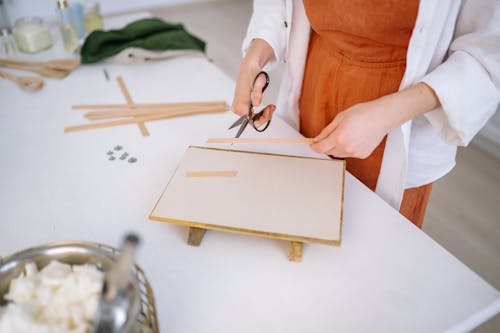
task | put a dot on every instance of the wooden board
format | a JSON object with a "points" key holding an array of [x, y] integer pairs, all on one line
{"points": [[286, 197]]}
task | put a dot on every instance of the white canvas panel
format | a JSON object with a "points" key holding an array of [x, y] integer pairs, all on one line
{"points": [[282, 195]]}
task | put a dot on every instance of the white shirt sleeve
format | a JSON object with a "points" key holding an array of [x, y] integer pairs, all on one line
{"points": [[467, 83], [268, 23]]}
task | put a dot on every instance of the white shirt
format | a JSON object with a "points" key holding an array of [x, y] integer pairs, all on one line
{"points": [[454, 48]]}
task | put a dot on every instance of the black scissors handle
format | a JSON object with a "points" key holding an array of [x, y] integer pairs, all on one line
{"points": [[255, 80], [250, 117], [258, 115]]}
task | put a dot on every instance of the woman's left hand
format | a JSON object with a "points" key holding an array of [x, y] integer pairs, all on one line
{"points": [[357, 131], [354, 132]]}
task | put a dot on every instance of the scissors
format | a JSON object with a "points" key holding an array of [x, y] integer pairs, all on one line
{"points": [[250, 117]]}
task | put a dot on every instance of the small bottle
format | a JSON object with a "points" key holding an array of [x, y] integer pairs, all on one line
{"points": [[77, 11], [92, 16], [67, 28], [4, 18], [8, 43]]}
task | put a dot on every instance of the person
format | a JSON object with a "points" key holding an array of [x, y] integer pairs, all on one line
{"points": [[391, 86]]}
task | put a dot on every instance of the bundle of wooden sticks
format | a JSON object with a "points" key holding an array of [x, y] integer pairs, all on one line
{"points": [[138, 114]]}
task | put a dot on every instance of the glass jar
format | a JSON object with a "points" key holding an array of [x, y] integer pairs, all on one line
{"points": [[92, 17], [32, 35]]}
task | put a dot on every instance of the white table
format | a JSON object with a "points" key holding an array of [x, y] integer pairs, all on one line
{"points": [[388, 276]]}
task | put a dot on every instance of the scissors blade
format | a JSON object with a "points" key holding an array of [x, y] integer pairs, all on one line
{"points": [[237, 122], [242, 127]]}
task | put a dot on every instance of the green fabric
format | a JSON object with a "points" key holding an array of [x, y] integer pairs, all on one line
{"points": [[150, 34]]}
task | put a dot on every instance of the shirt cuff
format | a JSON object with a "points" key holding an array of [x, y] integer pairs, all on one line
{"points": [[467, 95]]}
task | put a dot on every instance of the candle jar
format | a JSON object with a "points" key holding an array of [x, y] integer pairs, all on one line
{"points": [[32, 35]]}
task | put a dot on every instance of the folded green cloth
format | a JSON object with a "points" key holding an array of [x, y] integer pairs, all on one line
{"points": [[151, 34]]}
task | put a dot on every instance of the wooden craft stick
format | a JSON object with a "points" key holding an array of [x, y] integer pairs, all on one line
{"points": [[122, 122], [262, 140], [125, 92], [144, 105], [97, 115], [130, 102], [231, 173], [127, 114]]}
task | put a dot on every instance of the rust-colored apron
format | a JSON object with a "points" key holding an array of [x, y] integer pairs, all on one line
{"points": [[357, 53]]}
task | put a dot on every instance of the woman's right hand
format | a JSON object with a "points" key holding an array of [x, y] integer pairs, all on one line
{"points": [[257, 56]]}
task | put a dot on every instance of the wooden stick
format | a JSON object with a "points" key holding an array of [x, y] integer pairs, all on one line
{"points": [[130, 102], [122, 114], [231, 173], [96, 115], [125, 92], [45, 72], [129, 121], [262, 140], [144, 105]]}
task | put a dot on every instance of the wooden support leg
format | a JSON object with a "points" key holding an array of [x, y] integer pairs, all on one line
{"points": [[195, 236], [295, 251]]}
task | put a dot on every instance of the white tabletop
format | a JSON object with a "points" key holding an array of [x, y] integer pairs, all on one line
{"points": [[388, 276]]}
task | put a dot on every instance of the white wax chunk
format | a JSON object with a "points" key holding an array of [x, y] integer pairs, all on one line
{"points": [[58, 298]]}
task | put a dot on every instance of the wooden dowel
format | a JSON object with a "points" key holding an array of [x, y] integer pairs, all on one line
{"points": [[125, 92], [77, 128], [144, 105], [122, 122], [262, 140], [130, 102], [231, 173], [96, 115], [137, 114]]}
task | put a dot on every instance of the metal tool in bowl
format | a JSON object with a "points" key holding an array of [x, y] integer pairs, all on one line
{"points": [[119, 303]]}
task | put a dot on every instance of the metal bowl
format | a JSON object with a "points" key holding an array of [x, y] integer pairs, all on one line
{"points": [[78, 253]]}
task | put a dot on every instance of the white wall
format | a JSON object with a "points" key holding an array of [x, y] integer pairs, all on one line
{"points": [[492, 129], [47, 8]]}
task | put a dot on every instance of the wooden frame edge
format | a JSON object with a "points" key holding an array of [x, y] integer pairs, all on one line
{"points": [[265, 234]]}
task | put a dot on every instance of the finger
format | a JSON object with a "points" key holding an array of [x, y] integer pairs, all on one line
{"points": [[256, 95], [335, 152], [323, 146], [241, 94], [239, 107], [241, 98], [267, 114], [328, 130]]}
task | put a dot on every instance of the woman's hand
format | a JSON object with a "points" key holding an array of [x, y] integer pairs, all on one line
{"points": [[257, 56], [357, 131]]}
